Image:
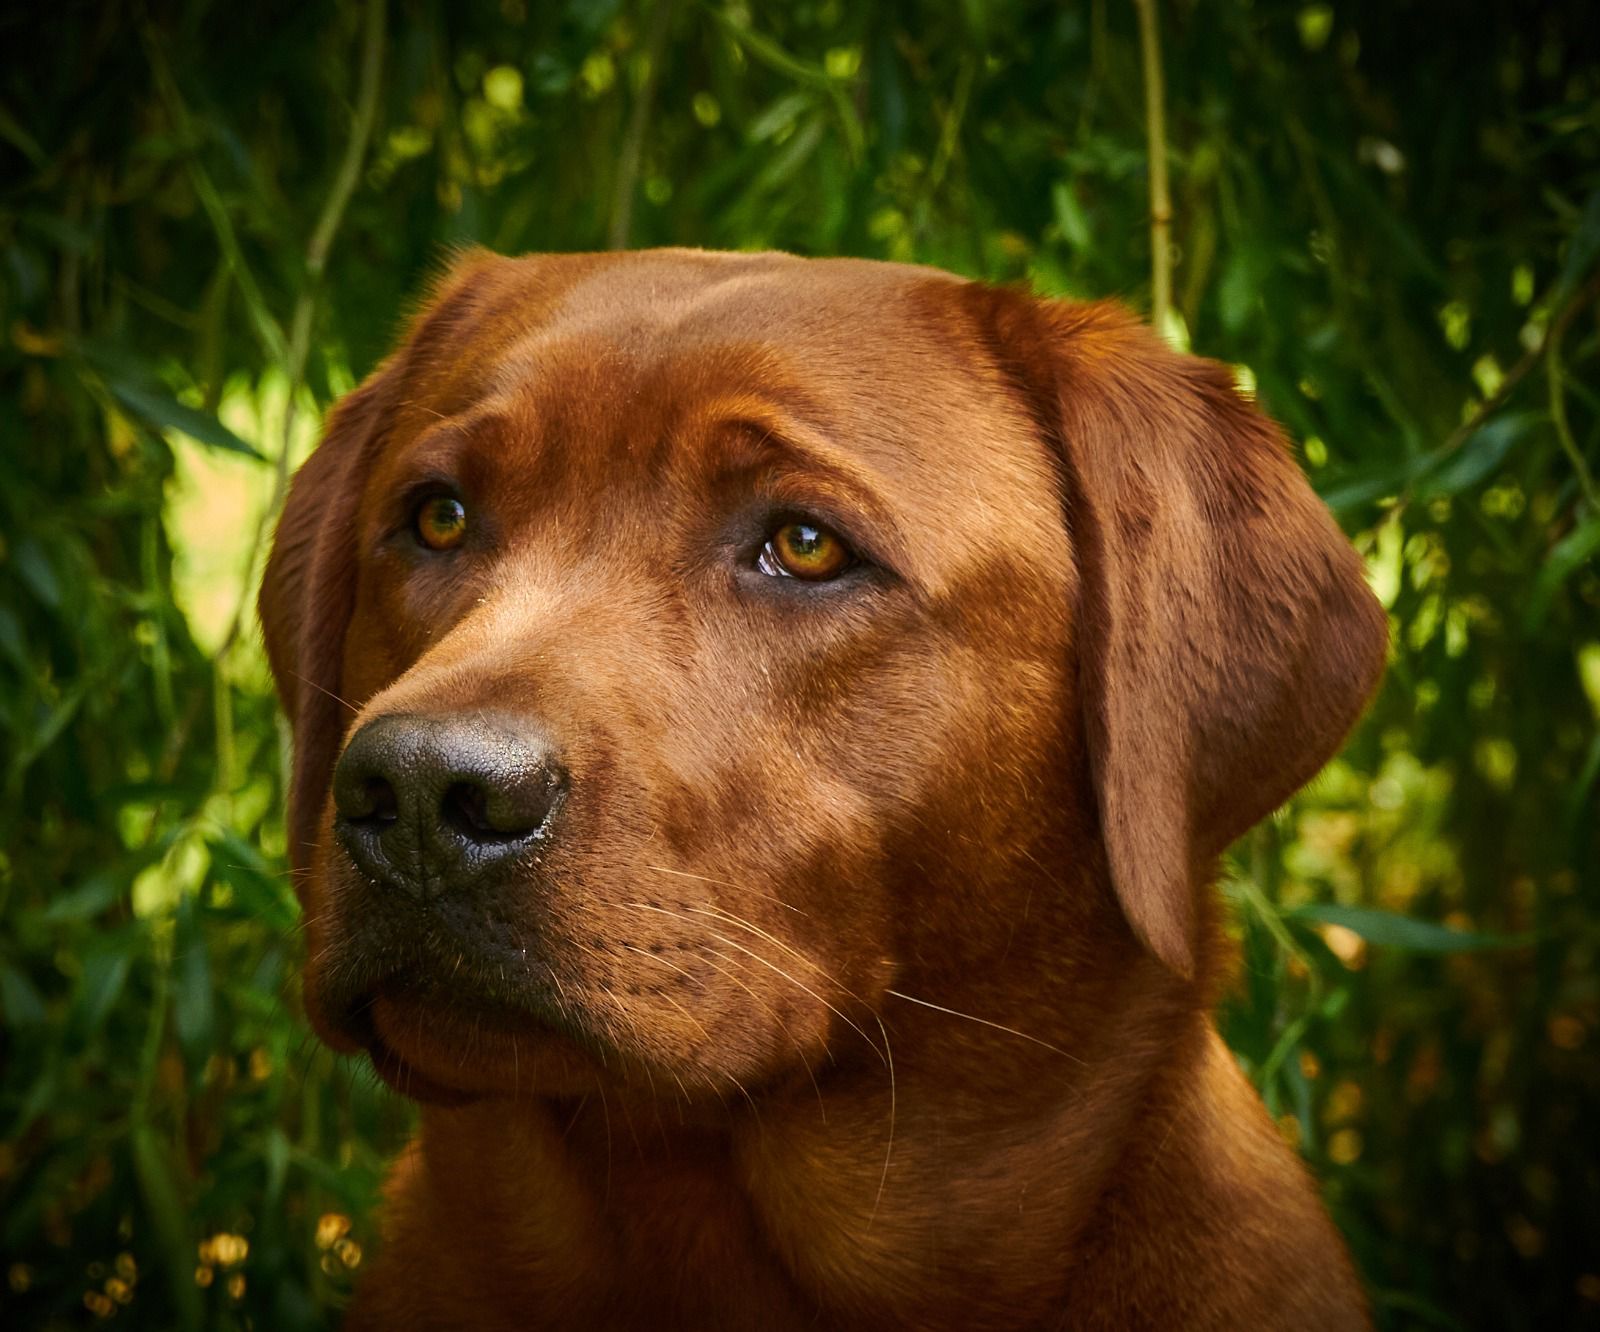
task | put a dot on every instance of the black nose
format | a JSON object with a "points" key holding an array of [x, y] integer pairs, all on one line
{"points": [[434, 804]]}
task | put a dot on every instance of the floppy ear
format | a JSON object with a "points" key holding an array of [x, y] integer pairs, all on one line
{"points": [[309, 587], [308, 593], [1227, 638]]}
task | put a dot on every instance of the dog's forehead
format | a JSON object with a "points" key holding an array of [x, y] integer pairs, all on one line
{"points": [[613, 353]]}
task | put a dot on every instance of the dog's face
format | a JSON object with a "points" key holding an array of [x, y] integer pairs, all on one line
{"points": [[684, 649]]}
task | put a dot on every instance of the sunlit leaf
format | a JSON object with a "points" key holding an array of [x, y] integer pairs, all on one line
{"points": [[167, 413], [1390, 930]]}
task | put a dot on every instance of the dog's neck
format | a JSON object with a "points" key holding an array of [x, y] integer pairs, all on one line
{"points": [[951, 1172]]}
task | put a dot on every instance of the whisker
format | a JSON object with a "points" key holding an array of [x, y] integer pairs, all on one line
{"points": [[783, 1026], [306, 679], [721, 913], [772, 966], [971, 1017], [726, 883], [888, 1150]]}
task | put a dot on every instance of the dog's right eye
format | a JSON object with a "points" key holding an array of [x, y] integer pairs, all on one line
{"points": [[441, 522], [804, 550]]}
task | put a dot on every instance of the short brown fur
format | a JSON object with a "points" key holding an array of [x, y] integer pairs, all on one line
{"points": [[866, 981]]}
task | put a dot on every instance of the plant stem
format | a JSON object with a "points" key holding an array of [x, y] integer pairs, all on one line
{"points": [[295, 355], [1156, 134], [299, 344], [638, 122], [1558, 414]]}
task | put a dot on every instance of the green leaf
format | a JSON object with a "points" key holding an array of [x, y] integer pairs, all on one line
{"points": [[1566, 557], [1363, 487], [1239, 291], [193, 1008], [777, 117], [105, 972], [38, 572], [1480, 456], [1435, 473], [152, 1164], [277, 1159], [97, 891], [1389, 929], [12, 132], [11, 640], [259, 891], [165, 412], [21, 1001], [1582, 249], [1071, 220]]}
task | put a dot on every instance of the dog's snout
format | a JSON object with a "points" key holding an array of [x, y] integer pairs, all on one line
{"points": [[432, 804]]}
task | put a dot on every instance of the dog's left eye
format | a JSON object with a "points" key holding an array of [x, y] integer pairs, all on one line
{"points": [[805, 550], [441, 522]]}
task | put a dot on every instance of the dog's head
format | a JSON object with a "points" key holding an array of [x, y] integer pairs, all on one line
{"points": [[682, 649]]}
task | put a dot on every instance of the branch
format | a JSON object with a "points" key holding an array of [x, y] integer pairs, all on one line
{"points": [[1549, 346], [1558, 415], [1550, 343], [1156, 135]]}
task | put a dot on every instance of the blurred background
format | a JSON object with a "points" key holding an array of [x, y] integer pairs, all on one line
{"points": [[1384, 213]]}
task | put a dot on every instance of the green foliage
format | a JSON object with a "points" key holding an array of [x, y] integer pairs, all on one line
{"points": [[211, 218]]}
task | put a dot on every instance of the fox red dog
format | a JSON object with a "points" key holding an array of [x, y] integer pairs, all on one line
{"points": [[764, 733]]}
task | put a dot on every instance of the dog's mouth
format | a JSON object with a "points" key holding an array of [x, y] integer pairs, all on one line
{"points": [[432, 1047]]}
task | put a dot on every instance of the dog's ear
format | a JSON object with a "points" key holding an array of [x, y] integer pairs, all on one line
{"points": [[1227, 638], [309, 586]]}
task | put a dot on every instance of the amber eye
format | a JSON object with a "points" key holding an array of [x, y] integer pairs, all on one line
{"points": [[804, 550], [441, 522]]}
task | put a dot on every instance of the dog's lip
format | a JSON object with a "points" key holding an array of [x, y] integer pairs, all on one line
{"points": [[398, 1073], [379, 1021]]}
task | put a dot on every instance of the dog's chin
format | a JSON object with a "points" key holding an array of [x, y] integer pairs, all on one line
{"points": [[430, 1054]]}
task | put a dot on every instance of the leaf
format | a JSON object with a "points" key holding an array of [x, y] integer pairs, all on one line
{"points": [[277, 1160], [1480, 455], [92, 895], [788, 159], [1071, 220], [1389, 929], [1435, 473], [1582, 249], [259, 891], [1363, 487], [165, 412], [52, 721], [21, 1001], [193, 1009], [1239, 291], [11, 640], [153, 1165], [1566, 557], [12, 132], [105, 972], [777, 117], [38, 573]]}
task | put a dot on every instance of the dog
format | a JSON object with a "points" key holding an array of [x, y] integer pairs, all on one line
{"points": [[764, 733]]}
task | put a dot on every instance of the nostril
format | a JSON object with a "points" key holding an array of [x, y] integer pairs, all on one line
{"points": [[494, 815], [433, 803], [378, 806], [465, 808]]}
